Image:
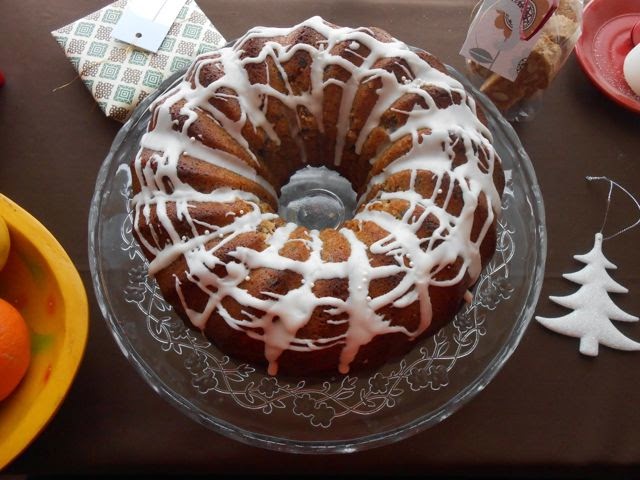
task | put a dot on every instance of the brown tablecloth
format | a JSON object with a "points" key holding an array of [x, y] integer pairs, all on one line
{"points": [[549, 407]]}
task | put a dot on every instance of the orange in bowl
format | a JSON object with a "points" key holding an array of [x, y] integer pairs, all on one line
{"points": [[15, 348], [40, 281]]}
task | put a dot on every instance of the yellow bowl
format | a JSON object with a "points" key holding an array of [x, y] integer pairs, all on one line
{"points": [[41, 281]]}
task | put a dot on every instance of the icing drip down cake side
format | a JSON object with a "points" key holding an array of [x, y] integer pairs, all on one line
{"points": [[222, 143]]}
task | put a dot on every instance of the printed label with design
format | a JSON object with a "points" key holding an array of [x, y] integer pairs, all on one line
{"points": [[504, 32]]}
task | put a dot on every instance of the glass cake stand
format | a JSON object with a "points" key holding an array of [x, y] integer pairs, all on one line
{"points": [[337, 413]]}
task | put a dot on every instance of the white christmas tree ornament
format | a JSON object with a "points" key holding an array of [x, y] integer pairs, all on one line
{"points": [[593, 309]]}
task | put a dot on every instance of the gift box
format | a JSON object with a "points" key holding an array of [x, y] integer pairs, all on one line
{"points": [[118, 75]]}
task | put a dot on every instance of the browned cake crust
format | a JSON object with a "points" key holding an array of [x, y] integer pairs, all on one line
{"points": [[206, 180]]}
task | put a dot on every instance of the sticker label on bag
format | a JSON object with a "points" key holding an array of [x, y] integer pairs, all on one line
{"points": [[145, 23], [504, 32]]}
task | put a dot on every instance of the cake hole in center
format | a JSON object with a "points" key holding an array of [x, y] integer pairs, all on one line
{"points": [[317, 198]]}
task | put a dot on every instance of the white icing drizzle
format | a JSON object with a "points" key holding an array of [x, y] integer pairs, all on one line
{"points": [[417, 260]]}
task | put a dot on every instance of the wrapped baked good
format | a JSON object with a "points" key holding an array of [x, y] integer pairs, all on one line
{"points": [[519, 99]]}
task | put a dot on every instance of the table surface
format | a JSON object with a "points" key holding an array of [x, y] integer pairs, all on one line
{"points": [[549, 407]]}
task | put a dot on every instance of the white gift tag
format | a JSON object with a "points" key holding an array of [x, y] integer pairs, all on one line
{"points": [[145, 23]]}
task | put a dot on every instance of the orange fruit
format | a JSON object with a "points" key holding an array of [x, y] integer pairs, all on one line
{"points": [[15, 348]]}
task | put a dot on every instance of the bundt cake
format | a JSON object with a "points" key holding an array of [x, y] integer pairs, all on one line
{"points": [[222, 143]]}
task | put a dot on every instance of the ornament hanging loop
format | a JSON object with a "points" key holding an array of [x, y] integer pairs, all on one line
{"points": [[606, 213]]}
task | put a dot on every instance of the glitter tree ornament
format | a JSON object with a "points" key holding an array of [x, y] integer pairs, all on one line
{"points": [[592, 308]]}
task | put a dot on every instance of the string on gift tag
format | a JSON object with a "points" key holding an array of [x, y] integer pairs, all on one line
{"points": [[87, 65], [613, 183]]}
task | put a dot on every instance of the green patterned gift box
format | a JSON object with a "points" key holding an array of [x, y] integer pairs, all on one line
{"points": [[120, 76]]}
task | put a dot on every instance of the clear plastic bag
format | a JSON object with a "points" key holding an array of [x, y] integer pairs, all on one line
{"points": [[519, 100]]}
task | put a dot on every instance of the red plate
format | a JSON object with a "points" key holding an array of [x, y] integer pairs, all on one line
{"points": [[604, 44]]}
